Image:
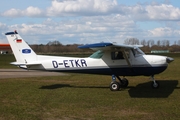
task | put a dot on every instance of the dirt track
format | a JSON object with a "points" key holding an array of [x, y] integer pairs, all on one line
{"points": [[17, 73]]}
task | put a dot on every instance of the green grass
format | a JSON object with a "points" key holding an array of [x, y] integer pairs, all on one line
{"points": [[82, 96], [5, 60]]}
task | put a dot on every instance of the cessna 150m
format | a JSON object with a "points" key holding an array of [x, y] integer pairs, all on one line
{"points": [[109, 59]]}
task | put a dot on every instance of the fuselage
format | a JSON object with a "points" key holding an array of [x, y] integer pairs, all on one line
{"points": [[140, 64]]}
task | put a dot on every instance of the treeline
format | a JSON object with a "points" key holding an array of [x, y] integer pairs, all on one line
{"points": [[55, 47], [148, 46]]}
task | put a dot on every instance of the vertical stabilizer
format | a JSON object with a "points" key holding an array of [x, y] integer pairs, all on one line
{"points": [[22, 51]]}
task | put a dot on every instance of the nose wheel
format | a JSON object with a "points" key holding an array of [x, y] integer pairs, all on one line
{"points": [[155, 84]]}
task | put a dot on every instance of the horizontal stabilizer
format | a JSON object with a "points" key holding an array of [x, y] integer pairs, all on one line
{"points": [[17, 63], [28, 64]]}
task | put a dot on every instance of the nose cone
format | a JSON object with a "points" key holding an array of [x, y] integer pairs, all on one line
{"points": [[169, 59]]}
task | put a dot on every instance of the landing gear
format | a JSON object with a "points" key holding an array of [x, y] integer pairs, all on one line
{"points": [[115, 86], [124, 82], [154, 84]]}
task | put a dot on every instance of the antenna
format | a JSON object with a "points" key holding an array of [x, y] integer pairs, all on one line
{"points": [[109, 40], [15, 32]]}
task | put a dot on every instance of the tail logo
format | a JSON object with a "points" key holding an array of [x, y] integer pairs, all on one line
{"points": [[26, 51]]}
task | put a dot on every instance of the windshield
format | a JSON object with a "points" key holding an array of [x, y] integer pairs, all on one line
{"points": [[137, 52]]}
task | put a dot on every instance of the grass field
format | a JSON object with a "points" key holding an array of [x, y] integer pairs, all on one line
{"points": [[82, 96]]}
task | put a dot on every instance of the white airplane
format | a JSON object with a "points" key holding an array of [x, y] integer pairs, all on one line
{"points": [[109, 59]]}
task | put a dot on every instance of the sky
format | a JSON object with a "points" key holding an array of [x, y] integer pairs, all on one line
{"points": [[90, 21]]}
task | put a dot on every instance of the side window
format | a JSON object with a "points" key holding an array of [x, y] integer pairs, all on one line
{"points": [[117, 55]]}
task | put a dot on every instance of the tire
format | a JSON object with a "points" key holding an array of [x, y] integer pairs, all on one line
{"points": [[114, 86], [124, 82]]}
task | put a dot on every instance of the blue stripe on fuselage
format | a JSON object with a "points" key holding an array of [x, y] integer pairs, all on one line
{"points": [[123, 71]]}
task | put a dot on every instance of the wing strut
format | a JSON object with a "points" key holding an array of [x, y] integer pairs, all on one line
{"points": [[126, 58]]}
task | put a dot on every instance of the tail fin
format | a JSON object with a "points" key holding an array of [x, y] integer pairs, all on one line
{"points": [[22, 51]]}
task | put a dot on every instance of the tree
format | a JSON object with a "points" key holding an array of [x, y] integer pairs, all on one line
{"points": [[54, 43], [143, 42], [131, 41]]}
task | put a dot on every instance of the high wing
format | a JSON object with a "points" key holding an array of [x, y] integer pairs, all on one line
{"points": [[108, 46], [104, 46]]}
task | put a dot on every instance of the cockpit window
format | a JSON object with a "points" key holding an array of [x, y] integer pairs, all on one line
{"points": [[97, 54], [117, 55]]}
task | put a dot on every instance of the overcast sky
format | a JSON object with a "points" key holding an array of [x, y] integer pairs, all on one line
{"points": [[90, 21]]}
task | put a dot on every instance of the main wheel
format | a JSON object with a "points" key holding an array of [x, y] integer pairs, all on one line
{"points": [[124, 82], [114, 86], [155, 85]]}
